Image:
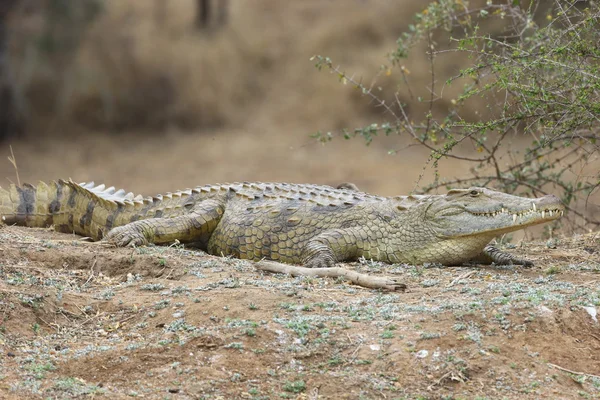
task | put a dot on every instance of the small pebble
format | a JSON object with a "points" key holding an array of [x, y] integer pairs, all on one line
{"points": [[422, 354]]}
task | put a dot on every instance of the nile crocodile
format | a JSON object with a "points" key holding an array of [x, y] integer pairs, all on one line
{"points": [[312, 225]]}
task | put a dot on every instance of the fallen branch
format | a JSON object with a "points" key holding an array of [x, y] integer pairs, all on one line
{"points": [[572, 372], [372, 282]]}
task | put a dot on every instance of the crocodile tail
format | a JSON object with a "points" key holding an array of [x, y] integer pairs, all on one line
{"points": [[84, 209], [29, 205]]}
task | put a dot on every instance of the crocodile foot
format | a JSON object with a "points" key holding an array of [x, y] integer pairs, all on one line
{"points": [[124, 236], [502, 258]]}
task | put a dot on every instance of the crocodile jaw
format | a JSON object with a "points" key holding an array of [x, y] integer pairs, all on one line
{"points": [[493, 214], [507, 220]]}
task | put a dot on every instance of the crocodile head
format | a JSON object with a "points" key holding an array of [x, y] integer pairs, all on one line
{"points": [[481, 211]]}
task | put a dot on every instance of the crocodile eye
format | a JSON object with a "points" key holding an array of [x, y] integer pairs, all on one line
{"points": [[474, 193]]}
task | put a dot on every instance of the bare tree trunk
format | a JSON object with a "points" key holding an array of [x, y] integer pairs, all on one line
{"points": [[202, 13], [206, 15], [8, 116]]}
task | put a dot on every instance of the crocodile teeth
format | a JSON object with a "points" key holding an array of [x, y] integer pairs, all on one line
{"points": [[533, 204], [543, 214], [514, 218], [503, 209]]}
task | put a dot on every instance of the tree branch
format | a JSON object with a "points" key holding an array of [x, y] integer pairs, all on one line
{"points": [[371, 282]]}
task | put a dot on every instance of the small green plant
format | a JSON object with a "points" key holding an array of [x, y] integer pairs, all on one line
{"points": [[153, 287], [581, 379], [459, 327], [300, 326], [287, 306], [159, 305], [76, 387], [107, 294], [387, 335], [295, 387], [39, 370], [335, 361], [430, 335], [235, 345], [555, 269]]}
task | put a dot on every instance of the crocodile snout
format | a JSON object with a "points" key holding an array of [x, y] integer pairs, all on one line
{"points": [[550, 200]]}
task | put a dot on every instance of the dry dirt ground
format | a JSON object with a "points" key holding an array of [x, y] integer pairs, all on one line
{"points": [[80, 320]]}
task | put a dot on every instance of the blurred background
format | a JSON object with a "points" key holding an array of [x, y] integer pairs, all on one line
{"points": [[158, 95], [161, 95]]}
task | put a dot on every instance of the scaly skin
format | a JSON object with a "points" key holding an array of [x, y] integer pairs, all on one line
{"points": [[312, 225]]}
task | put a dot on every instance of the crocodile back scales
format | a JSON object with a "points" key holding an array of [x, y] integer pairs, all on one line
{"points": [[92, 210]]}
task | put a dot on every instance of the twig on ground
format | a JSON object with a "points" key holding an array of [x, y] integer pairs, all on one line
{"points": [[354, 355], [91, 319], [91, 271], [314, 394], [49, 324], [453, 375], [363, 280], [463, 276], [126, 319], [64, 314], [572, 372]]}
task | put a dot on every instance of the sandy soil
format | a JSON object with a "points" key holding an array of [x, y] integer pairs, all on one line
{"points": [[79, 320]]}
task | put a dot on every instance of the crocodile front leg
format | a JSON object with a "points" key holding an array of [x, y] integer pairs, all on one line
{"points": [[331, 247], [493, 254], [196, 226]]}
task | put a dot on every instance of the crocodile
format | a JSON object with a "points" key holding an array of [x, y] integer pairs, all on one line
{"points": [[312, 225]]}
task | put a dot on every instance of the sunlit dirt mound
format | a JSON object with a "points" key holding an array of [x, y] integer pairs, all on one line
{"points": [[83, 320]]}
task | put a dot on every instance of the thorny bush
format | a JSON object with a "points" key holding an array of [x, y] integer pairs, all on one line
{"points": [[539, 77]]}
